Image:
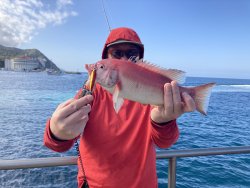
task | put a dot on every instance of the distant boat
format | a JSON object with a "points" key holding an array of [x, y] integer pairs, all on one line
{"points": [[54, 72], [72, 72]]}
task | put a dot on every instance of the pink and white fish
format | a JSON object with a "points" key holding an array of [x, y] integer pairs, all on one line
{"points": [[143, 82]]}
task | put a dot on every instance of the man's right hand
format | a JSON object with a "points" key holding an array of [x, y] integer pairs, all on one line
{"points": [[70, 118]]}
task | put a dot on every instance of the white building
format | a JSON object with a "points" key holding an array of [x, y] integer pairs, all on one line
{"points": [[24, 63]]}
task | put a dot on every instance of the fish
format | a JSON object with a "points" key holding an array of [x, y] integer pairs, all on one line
{"points": [[143, 82]]}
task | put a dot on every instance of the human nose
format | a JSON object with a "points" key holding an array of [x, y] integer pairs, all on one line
{"points": [[124, 57]]}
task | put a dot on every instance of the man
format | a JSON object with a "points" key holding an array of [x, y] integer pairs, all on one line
{"points": [[118, 149]]}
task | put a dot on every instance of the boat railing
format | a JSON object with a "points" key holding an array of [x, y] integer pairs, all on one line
{"points": [[171, 155]]}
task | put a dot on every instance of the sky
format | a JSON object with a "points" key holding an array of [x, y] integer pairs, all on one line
{"points": [[209, 38]]}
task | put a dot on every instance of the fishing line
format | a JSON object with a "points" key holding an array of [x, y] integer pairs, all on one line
{"points": [[105, 14]]}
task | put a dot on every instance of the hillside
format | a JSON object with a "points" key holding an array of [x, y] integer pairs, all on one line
{"points": [[9, 53]]}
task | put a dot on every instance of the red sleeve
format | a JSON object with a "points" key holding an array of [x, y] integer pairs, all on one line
{"points": [[56, 145], [165, 135]]}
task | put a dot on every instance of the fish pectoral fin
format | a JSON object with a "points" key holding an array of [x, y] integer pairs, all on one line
{"points": [[117, 101], [118, 104]]}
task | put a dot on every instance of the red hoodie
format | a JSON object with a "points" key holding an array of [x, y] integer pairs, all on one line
{"points": [[118, 149], [123, 35]]}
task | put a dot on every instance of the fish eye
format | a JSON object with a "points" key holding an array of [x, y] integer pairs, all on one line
{"points": [[102, 66]]}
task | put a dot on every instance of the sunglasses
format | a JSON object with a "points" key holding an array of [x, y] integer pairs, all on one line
{"points": [[118, 54]]}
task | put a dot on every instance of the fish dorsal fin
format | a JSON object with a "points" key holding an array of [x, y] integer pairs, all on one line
{"points": [[172, 74]]}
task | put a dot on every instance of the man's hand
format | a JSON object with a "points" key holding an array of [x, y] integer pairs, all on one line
{"points": [[70, 118], [175, 104]]}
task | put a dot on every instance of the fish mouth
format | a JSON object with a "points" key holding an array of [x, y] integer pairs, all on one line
{"points": [[89, 68]]}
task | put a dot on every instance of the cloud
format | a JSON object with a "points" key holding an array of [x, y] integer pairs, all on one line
{"points": [[20, 20]]}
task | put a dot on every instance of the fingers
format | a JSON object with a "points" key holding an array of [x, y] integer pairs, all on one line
{"points": [[79, 115], [78, 120], [70, 118], [177, 104], [172, 98], [65, 103], [189, 104], [168, 98], [75, 105]]}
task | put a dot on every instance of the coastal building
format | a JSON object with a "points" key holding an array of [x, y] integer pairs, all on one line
{"points": [[1, 64], [24, 63]]}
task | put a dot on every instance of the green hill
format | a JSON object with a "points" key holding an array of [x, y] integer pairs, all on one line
{"points": [[10, 52]]}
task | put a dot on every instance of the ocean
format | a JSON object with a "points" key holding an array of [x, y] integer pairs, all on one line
{"points": [[28, 99]]}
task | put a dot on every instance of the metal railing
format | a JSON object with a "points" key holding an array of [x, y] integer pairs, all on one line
{"points": [[171, 155]]}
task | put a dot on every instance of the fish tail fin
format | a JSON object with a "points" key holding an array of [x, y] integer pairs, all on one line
{"points": [[201, 97]]}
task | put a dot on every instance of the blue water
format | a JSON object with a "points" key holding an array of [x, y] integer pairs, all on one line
{"points": [[28, 99]]}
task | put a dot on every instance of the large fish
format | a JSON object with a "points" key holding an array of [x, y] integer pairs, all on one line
{"points": [[143, 82]]}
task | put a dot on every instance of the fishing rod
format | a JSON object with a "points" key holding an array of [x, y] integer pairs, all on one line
{"points": [[105, 14], [87, 90]]}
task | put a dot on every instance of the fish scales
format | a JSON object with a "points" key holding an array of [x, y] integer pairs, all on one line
{"points": [[135, 80]]}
